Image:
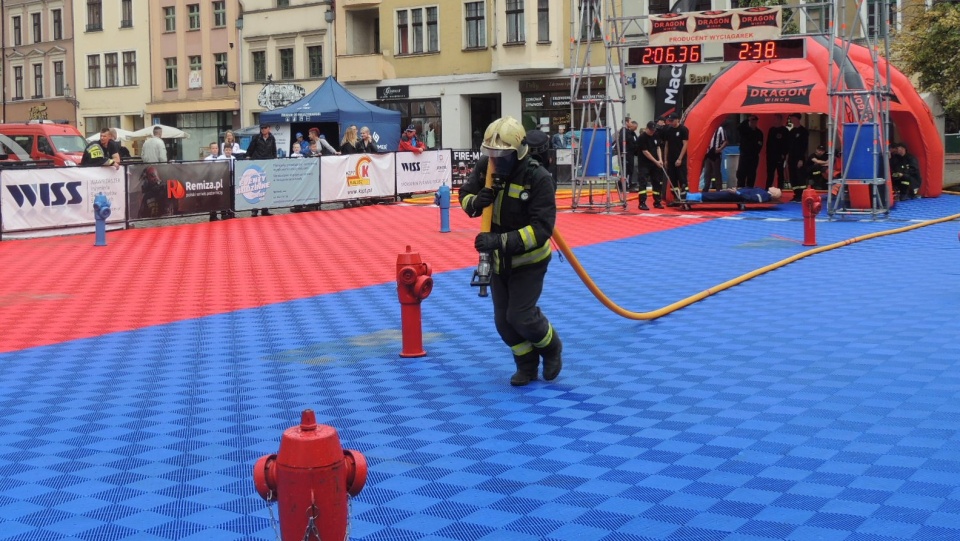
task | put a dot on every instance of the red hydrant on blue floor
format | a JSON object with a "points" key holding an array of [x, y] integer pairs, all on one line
{"points": [[311, 477], [811, 207], [414, 284]]}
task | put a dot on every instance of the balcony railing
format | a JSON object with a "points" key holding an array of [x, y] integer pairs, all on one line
{"points": [[95, 27], [126, 23]]}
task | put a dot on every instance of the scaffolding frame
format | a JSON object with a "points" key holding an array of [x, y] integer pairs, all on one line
{"points": [[594, 24], [811, 19]]}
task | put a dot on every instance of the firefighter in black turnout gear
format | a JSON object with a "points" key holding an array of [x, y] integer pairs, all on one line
{"points": [[524, 213]]}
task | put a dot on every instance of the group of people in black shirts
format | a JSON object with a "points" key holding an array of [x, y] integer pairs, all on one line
{"points": [[661, 148]]}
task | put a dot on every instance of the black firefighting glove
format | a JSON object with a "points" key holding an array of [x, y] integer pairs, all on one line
{"points": [[487, 242], [483, 199]]}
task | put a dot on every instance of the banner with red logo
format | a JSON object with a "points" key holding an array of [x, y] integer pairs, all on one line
{"points": [[744, 24], [356, 176], [276, 183], [59, 197], [157, 190], [423, 172]]}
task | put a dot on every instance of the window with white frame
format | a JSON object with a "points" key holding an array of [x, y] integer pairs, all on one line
{"points": [[418, 30], [170, 19], [37, 27], [93, 71], [515, 24], [195, 63], [286, 63], [315, 61], [111, 69], [259, 59], [170, 67], [58, 80], [129, 68], [475, 24], [543, 21], [18, 82], [220, 68], [219, 14], [193, 17], [37, 81], [57, 15], [126, 13]]}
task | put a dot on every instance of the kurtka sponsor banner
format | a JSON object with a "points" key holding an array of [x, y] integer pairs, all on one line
{"points": [[356, 176], [276, 183], [423, 172], [157, 190], [61, 197], [745, 24]]}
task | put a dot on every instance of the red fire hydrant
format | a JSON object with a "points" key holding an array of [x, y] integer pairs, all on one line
{"points": [[811, 207], [414, 284], [311, 476]]}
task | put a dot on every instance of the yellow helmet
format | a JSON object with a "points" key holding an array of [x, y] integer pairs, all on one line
{"points": [[503, 136]]}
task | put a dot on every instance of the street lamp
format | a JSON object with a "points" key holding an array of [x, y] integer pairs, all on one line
{"points": [[222, 70], [68, 95]]}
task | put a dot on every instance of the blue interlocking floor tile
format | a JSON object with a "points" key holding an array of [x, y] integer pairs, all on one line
{"points": [[815, 402]]}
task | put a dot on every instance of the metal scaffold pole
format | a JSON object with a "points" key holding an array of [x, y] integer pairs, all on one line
{"points": [[860, 112], [597, 104]]}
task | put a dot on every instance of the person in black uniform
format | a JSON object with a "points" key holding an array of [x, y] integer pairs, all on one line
{"points": [[776, 151], [751, 142], [905, 170], [263, 147], [99, 152], [797, 149], [524, 214], [650, 166], [816, 169], [676, 151], [626, 147]]}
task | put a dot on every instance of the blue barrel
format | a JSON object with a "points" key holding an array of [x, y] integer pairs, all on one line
{"points": [[862, 157], [593, 152]]}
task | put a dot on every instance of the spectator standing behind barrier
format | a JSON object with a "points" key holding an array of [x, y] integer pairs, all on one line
{"points": [[751, 143], [650, 166], [431, 136], [231, 141], [98, 153], [797, 149], [350, 144], [676, 151], [905, 170], [114, 147], [409, 141], [214, 156], [777, 145], [154, 150], [262, 147], [366, 144], [300, 145]]}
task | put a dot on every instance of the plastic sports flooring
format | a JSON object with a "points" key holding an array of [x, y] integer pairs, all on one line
{"points": [[139, 382]]}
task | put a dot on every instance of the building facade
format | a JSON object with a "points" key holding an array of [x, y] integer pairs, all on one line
{"points": [[38, 67], [286, 53], [194, 65], [112, 85]]}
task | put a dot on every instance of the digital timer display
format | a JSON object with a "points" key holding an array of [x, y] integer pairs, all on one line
{"points": [[769, 49], [666, 54]]}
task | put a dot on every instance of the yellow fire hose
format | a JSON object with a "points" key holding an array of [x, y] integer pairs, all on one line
{"points": [[578, 268]]}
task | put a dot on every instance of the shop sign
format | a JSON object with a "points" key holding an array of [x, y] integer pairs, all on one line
{"points": [[393, 92]]}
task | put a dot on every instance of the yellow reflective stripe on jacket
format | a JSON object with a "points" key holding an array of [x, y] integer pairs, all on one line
{"points": [[514, 191], [466, 201], [528, 237], [532, 256]]}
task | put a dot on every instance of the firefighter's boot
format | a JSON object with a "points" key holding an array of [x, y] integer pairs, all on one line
{"points": [[552, 362], [527, 365]]}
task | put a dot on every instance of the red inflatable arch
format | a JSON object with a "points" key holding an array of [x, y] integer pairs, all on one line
{"points": [[800, 86]]}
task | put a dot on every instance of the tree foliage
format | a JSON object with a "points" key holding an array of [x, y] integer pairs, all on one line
{"points": [[929, 47]]}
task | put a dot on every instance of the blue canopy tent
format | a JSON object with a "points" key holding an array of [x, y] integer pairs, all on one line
{"points": [[331, 103]]}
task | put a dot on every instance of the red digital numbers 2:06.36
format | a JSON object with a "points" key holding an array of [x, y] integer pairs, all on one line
{"points": [[666, 54]]}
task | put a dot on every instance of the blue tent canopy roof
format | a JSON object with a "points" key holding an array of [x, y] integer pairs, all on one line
{"points": [[330, 102]]}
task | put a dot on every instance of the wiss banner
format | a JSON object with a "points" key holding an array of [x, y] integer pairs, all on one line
{"points": [[423, 172], [63, 199]]}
